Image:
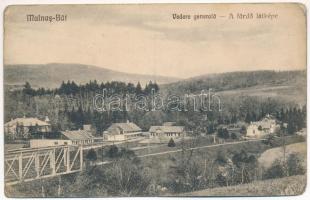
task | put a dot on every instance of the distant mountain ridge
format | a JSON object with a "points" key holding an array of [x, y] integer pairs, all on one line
{"points": [[238, 80], [51, 75]]}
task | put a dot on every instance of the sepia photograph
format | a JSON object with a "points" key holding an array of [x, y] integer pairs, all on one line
{"points": [[155, 100]]}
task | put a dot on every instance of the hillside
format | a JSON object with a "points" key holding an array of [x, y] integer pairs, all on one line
{"points": [[269, 156], [51, 75], [287, 85], [293, 185], [237, 80]]}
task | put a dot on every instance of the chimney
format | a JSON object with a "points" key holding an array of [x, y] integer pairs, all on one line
{"points": [[47, 119], [87, 127]]}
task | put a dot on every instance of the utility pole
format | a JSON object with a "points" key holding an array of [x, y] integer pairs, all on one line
{"points": [[284, 152]]}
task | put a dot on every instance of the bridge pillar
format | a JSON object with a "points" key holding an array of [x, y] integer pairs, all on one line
{"points": [[52, 161], [37, 164], [20, 166], [81, 157], [68, 159]]}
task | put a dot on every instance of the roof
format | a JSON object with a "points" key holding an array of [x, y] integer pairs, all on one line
{"points": [[78, 135], [169, 123], [27, 122], [234, 130], [167, 129], [265, 123], [126, 127]]}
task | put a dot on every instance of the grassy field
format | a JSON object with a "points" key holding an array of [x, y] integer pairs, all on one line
{"points": [[293, 185], [268, 157], [285, 92], [204, 141]]}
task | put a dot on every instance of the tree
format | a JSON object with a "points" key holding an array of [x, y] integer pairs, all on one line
{"points": [[28, 90], [234, 136], [186, 174], [275, 171], [291, 129], [270, 140], [113, 151], [126, 177], [243, 130], [138, 88], [260, 128], [171, 143], [122, 177], [91, 155], [245, 166], [294, 164], [248, 118], [223, 133]]}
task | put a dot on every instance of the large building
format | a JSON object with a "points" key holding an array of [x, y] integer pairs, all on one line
{"points": [[166, 132], [76, 137], [26, 127], [122, 131], [259, 129]]}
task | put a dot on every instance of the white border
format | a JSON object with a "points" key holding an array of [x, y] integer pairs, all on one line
{"points": [[5, 3]]}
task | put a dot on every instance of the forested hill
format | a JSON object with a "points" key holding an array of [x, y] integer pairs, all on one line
{"points": [[51, 75], [238, 80]]}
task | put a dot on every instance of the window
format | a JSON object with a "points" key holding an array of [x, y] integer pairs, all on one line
{"points": [[56, 143], [65, 143]]}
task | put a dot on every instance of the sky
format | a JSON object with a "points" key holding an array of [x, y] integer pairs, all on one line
{"points": [[145, 39]]}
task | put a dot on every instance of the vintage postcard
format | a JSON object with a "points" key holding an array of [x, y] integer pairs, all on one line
{"points": [[155, 100]]}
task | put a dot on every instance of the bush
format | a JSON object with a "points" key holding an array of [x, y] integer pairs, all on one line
{"points": [[234, 136], [243, 130], [294, 164], [91, 155], [270, 140], [223, 133], [127, 153], [276, 170], [171, 143], [126, 177], [113, 151]]}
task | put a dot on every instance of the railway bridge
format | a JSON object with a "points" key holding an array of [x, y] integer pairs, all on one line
{"points": [[23, 165]]}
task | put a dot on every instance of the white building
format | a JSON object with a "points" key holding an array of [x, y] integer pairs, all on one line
{"points": [[164, 133], [25, 127], [259, 129], [122, 131]]}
